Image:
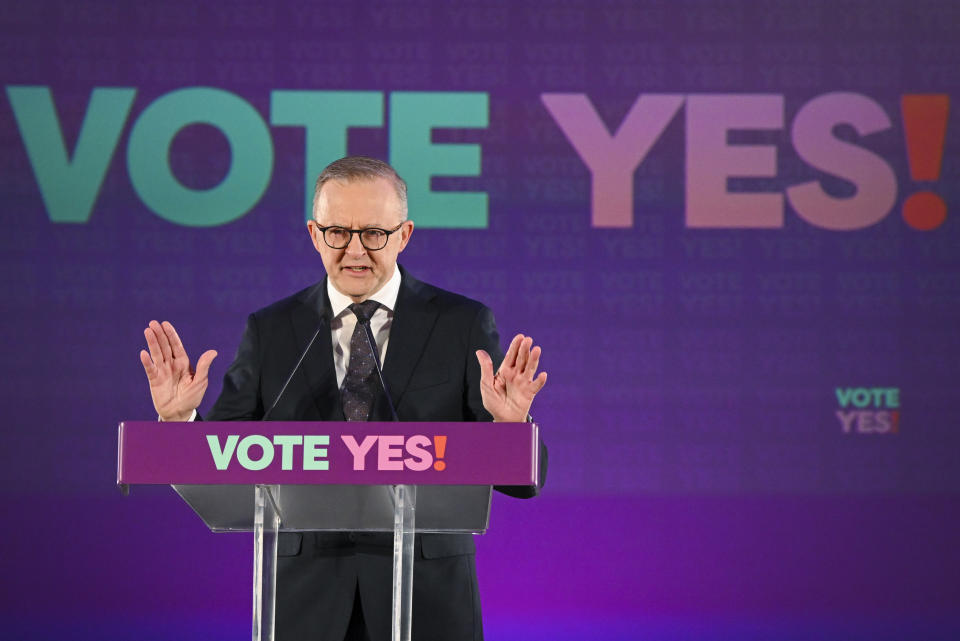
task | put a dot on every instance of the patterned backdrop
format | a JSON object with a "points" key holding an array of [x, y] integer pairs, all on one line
{"points": [[732, 226]]}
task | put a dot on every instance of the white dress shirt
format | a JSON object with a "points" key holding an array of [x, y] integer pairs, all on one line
{"points": [[344, 321]]}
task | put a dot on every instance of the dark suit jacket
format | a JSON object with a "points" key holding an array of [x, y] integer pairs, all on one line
{"points": [[433, 375]]}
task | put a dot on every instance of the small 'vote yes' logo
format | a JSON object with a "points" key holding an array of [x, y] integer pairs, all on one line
{"points": [[868, 410]]}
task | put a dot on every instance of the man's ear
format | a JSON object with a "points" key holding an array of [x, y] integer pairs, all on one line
{"points": [[405, 233], [316, 236]]}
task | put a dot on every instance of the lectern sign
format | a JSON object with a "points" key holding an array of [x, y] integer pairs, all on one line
{"points": [[321, 453]]}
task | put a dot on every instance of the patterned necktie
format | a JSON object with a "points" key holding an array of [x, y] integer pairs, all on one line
{"points": [[360, 384]]}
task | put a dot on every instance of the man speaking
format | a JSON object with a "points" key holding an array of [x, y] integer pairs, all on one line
{"points": [[439, 351]]}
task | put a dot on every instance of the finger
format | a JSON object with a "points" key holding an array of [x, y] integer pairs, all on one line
{"points": [[148, 365], [539, 382], [533, 363], [523, 355], [176, 345], [153, 344], [203, 364], [486, 368], [162, 340], [510, 359]]}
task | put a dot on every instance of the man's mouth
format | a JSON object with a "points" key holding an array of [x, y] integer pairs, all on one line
{"points": [[357, 270]]}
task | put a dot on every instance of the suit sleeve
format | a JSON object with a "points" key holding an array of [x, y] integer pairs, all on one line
{"points": [[484, 335], [240, 399]]}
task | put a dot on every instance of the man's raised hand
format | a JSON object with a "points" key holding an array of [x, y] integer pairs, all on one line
{"points": [[508, 394], [176, 388]]}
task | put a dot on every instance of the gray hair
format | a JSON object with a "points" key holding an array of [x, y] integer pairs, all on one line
{"points": [[353, 168]]}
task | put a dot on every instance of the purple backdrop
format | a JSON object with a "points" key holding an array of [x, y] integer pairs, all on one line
{"points": [[752, 404]]}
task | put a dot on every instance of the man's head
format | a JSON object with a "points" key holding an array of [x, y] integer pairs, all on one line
{"points": [[358, 193]]}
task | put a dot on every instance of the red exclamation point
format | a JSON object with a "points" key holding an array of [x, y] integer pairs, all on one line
{"points": [[440, 446], [925, 128]]}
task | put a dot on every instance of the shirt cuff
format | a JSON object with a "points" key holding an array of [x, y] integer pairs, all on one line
{"points": [[192, 418]]}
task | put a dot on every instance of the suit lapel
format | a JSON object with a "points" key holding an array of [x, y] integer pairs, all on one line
{"points": [[317, 368], [413, 320]]}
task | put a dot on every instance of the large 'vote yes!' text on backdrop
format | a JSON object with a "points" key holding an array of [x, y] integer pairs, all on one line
{"points": [[732, 227]]}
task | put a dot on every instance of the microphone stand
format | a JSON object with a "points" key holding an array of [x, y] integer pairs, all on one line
{"points": [[376, 361]]}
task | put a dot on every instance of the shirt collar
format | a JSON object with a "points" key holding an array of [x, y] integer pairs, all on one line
{"points": [[386, 295]]}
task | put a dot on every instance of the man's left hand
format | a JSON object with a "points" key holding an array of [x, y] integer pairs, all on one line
{"points": [[508, 394]]}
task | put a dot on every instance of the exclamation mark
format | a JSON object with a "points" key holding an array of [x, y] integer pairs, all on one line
{"points": [[440, 447], [925, 128]]}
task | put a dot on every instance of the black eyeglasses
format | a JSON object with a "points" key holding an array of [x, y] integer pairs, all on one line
{"points": [[372, 238]]}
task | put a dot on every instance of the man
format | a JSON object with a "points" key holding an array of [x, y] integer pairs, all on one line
{"points": [[437, 350]]}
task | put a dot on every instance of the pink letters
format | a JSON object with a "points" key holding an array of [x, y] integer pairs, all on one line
{"points": [[711, 159], [390, 451]]}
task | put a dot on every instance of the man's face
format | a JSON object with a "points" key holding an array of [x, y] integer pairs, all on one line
{"points": [[354, 270]]}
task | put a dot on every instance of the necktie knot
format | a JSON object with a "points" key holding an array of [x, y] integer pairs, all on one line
{"points": [[364, 311]]}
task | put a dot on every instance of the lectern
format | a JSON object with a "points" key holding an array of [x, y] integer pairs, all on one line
{"points": [[272, 477]]}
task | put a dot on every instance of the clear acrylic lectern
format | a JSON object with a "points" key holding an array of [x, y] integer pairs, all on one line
{"points": [[267, 510], [443, 485]]}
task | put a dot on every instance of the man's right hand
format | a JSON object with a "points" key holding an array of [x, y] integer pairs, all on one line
{"points": [[176, 388]]}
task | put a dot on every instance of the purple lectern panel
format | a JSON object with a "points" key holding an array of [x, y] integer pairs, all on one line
{"points": [[289, 453]]}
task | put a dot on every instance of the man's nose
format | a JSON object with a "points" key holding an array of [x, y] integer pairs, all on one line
{"points": [[355, 247]]}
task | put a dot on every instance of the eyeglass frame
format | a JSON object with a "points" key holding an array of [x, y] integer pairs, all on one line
{"points": [[359, 233]]}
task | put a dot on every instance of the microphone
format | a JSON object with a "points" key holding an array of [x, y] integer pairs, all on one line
{"points": [[363, 320], [320, 326]]}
